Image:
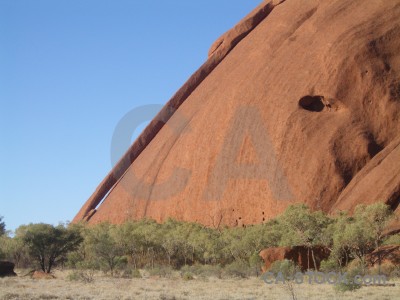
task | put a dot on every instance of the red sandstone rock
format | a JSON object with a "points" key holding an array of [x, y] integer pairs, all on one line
{"points": [[389, 253], [316, 84], [42, 275], [299, 255], [239, 32]]}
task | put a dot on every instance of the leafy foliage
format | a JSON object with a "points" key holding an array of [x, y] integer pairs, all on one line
{"points": [[47, 243], [197, 249], [2, 226], [349, 285], [304, 228]]}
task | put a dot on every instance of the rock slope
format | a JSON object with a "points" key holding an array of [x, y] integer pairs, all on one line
{"points": [[299, 102]]}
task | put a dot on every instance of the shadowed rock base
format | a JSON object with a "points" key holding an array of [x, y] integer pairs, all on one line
{"points": [[300, 255], [7, 269]]}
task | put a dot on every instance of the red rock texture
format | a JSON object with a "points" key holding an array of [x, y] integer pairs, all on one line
{"points": [[299, 255], [42, 275], [389, 253], [226, 44], [298, 103]]}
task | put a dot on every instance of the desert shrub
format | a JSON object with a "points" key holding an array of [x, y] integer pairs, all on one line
{"points": [[346, 287], [86, 276], [349, 285], [162, 271], [329, 265], [237, 268], [195, 269], [73, 276], [2, 226], [356, 266], [131, 273], [48, 244], [101, 246], [211, 270], [255, 262], [203, 270], [187, 276], [287, 267]]}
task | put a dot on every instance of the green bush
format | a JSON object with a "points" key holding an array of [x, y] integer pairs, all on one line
{"points": [[131, 273], [237, 269], [74, 276], [211, 270], [162, 271], [349, 285], [203, 270], [117, 248], [356, 266], [85, 276], [256, 262], [287, 267], [2, 227], [187, 276], [329, 265]]}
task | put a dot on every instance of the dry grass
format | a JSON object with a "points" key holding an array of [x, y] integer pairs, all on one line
{"points": [[175, 288]]}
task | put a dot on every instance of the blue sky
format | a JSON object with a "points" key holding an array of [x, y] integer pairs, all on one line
{"points": [[70, 70]]}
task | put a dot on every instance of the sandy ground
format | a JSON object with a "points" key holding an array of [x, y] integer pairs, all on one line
{"points": [[175, 288]]}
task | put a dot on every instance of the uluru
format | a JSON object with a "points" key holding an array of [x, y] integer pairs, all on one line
{"points": [[298, 103]]}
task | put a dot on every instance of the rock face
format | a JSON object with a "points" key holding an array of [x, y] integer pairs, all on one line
{"points": [[7, 269], [389, 253], [298, 103], [299, 255], [42, 275]]}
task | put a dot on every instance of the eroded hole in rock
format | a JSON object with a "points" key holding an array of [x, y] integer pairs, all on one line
{"points": [[347, 175], [312, 103], [394, 201], [374, 148]]}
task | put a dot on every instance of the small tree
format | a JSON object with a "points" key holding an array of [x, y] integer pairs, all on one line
{"points": [[103, 247], [301, 227], [15, 250], [128, 238], [2, 226], [340, 249], [374, 218], [47, 243], [362, 233]]}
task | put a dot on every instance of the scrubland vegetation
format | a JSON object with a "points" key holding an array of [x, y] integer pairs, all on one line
{"points": [[144, 250]]}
